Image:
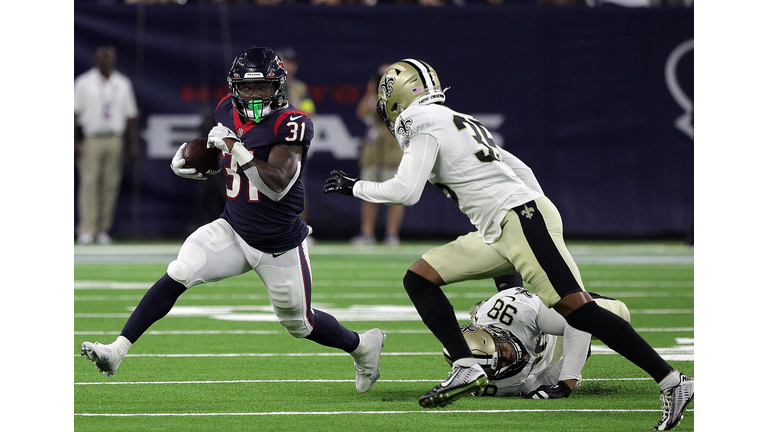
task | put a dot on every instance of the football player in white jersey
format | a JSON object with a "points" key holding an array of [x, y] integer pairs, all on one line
{"points": [[518, 228], [525, 348]]}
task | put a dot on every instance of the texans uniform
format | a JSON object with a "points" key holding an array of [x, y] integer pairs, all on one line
{"points": [[264, 224], [254, 232], [260, 229]]}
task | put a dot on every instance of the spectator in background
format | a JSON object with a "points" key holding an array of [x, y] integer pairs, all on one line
{"points": [[296, 90], [105, 109], [380, 156]]}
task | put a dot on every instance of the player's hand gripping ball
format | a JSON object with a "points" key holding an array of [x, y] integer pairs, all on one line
{"points": [[205, 160]]}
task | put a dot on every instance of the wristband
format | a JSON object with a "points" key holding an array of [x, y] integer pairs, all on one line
{"points": [[240, 154]]}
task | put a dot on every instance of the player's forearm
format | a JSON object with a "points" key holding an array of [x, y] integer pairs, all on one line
{"points": [[272, 178], [575, 349], [272, 183], [412, 175], [393, 191]]}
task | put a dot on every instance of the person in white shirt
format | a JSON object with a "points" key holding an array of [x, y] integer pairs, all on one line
{"points": [[105, 110], [525, 348], [518, 228]]}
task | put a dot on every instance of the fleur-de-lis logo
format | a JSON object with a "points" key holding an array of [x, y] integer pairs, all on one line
{"points": [[528, 212], [405, 127], [386, 85]]}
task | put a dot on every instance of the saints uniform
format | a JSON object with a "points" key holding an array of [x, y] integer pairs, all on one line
{"points": [[456, 153], [518, 228], [538, 328], [492, 187]]}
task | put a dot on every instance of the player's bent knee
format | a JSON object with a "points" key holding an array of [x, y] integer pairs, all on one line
{"points": [[296, 327], [178, 271]]}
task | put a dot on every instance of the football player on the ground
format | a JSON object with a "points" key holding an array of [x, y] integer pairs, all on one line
{"points": [[260, 228], [525, 348], [518, 228]]}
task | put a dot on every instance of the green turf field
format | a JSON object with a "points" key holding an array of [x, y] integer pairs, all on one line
{"points": [[220, 361]]}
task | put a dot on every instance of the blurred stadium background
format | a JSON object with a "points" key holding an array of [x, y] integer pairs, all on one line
{"points": [[596, 96]]}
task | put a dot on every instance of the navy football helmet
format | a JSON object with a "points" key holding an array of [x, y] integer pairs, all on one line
{"points": [[257, 82]]}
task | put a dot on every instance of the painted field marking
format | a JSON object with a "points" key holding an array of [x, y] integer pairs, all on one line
{"points": [[291, 413]]}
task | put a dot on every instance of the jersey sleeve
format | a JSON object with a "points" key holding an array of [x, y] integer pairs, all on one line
{"points": [[221, 114], [412, 122]]}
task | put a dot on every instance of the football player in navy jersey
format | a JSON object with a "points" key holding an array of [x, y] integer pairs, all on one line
{"points": [[264, 140]]}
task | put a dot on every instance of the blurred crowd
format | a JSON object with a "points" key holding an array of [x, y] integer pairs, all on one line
{"points": [[627, 3]]}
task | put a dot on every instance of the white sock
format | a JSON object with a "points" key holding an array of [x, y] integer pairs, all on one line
{"points": [[670, 380], [465, 362], [122, 344]]}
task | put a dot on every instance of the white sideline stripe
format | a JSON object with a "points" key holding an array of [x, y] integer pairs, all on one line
{"points": [[321, 381], [612, 284], [272, 413], [223, 312], [596, 350], [272, 332]]}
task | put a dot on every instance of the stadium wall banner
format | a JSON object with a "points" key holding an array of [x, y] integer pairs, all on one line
{"points": [[597, 101]]}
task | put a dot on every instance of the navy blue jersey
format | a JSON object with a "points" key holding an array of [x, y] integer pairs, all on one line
{"points": [[264, 224]]}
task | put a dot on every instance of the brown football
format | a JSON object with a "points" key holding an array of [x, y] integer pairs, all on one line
{"points": [[205, 160]]}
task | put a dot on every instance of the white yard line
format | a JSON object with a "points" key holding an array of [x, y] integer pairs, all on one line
{"points": [[322, 413]]}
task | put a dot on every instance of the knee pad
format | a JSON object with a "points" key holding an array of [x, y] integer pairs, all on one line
{"points": [[616, 306], [178, 271], [297, 328], [293, 322]]}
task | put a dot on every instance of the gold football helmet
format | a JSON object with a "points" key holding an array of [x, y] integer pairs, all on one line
{"points": [[404, 83], [499, 352]]}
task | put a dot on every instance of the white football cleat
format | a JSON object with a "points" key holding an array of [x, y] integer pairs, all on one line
{"points": [[462, 381], [673, 403], [366, 357], [107, 358]]}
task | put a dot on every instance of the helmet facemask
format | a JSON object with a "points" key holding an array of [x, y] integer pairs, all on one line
{"points": [[499, 352], [256, 99]]}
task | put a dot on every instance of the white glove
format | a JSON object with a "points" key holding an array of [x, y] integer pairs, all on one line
{"points": [[177, 165], [216, 137]]}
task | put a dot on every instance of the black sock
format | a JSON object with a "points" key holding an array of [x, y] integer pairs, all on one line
{"points": [[437, 313], [619, 335], [157, 302], [329, 332]]}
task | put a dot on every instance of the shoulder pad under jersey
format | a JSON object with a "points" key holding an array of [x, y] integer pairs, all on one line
{"points": [[293, 127], [414, 120]]}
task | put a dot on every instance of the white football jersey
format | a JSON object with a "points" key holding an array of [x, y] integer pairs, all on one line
{"points": [[456, 153], [517, 310]]}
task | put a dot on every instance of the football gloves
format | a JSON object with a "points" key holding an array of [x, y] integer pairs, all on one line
{"points": [[557, 391], [216, 137], [238, 151], [340, 182], [177, 165]]}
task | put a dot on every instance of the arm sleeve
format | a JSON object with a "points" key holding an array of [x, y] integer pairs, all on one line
{"points": [[253, 175], [575, 342], [521, 170], [412, 174]]}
